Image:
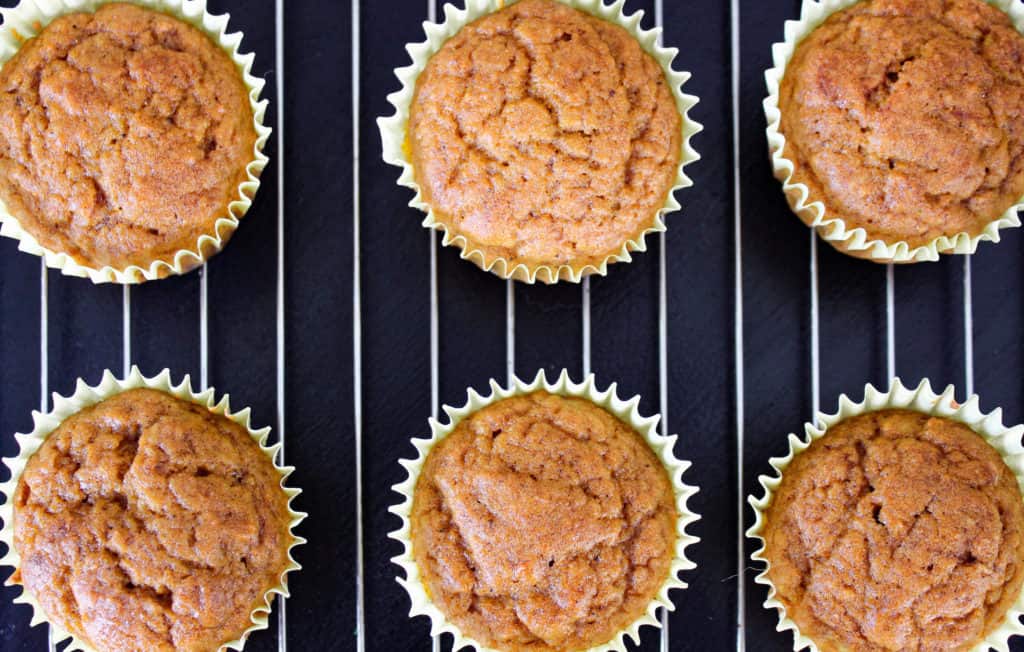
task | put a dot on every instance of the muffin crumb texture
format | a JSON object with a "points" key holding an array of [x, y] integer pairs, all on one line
{"points": [[544, 136], [543, 523], [906, 117], [896, 531], [149, 523], [123, 136]]}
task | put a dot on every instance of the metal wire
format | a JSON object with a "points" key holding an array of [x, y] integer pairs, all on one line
{"points": [[734, 34]]}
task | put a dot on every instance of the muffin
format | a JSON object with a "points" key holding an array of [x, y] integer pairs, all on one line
{"points": [[543, 140], [126, 135], [896, 530], [905, 119], [542, 520], [148, 522]]}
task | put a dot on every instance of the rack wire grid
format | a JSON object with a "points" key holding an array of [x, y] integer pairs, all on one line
{"points": [[736, 328]]}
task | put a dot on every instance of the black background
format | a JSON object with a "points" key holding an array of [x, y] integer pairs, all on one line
{"points": [[85, 321]]}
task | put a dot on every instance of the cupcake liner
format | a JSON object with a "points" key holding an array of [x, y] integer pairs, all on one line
{"points": [[628, 412], [832, 228], [393, 133], [88, 395], [27, 19], [1007, 441]]}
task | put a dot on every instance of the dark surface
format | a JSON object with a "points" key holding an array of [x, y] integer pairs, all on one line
{"points": [[85, 333]]}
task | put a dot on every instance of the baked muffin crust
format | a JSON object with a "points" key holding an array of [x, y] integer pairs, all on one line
{"points": [[906, 117], [896, 531], [543, 523], [123, 136], [149, 523], [544, 136]]}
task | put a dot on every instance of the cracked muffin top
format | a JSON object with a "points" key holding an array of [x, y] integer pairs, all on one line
{"points": [[544, 136], [123, 136], [906, 117], [897, 531], [543, 523], [146, 522]]}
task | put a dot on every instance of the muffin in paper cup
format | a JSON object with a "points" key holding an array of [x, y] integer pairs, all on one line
{"points": [[397, 150], [27, 19], [109, 386], [1005, 440], [626, 412], [831, 226]]}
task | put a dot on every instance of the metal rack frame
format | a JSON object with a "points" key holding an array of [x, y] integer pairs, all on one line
{"points": [[738, 336]]}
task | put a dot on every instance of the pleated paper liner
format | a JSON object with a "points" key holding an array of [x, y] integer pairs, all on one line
{"points": [[27, 19], [393, 135], [625, 410], [87, 395], [1007, 441], [813, 212]]}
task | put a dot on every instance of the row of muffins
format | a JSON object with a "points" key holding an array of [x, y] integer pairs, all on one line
{"points": [[546, 140], [541, 516], [895, 126]]}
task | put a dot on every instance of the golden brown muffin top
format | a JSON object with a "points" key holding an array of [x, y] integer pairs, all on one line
{"points": [[123, 136], [146, 522], [543, 523], [906, 117], [544, 135], [897, 531]]}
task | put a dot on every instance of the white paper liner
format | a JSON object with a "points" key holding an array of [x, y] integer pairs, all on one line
{"points": [[1007, 441], [832, 228], [393, 134], [87, 395], [626, 411], [27, 19]]}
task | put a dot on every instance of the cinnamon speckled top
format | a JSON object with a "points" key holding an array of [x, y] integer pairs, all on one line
{"points": [[544, 135], [149, 523], [897, 531], [906, 117], [123, 136], [543, 523]]}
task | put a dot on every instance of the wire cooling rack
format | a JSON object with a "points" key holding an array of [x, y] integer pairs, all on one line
{"points": [[736, 325]]}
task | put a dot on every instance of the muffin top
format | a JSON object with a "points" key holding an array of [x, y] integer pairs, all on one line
{"points": [[543, 523], [544, 136], [896, 531], [906, 117], [146, 522], [123, 136]]}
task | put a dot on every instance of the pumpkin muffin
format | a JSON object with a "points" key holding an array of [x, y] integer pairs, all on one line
{"points": [[906, 117], [896, 530], [544, 136], [124, 136], [146, 522], [543, 522]]}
